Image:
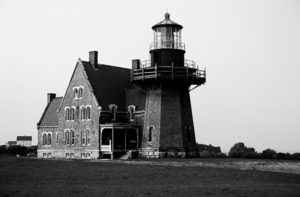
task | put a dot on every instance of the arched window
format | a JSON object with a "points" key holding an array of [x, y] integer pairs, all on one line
{"points": [[44, 139], [67, 113], [75, 89], [77, 112], [72, 113], [88, 138], [88, 112], [49, 139], [83, 137], [131, 110], [150, 134], [80, 92], [67, 137], [56, 137], [72, 136]]}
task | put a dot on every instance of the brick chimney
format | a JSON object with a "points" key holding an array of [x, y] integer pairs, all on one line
{"points": [[50, 97], [93, 58], [135, 64]]}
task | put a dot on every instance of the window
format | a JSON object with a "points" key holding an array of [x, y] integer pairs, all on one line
{"points": [[72, 113], [131, 110], [67, 113], [150, 134], [88, 155], [75, 89], [72, 155], [72, 136], [77, 112], [45, 155], [49, 155], [83, 137], [57, 137], [82, 155], [188, 130], [67, 155], [67, 137], [49, 139], [88, 112], [80, 92], [88, 138], [44, 139]]}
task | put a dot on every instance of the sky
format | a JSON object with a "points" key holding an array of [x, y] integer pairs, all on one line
{"points": [[250, 49]]}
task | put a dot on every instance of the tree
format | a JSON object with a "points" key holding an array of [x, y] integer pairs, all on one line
{"points": [[239, 150], [268, 154]]}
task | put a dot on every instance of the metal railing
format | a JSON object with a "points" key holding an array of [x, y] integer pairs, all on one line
{"points": [[189, 71], [167, 45]]}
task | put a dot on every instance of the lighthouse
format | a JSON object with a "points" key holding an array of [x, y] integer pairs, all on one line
{"points": [[166, 79]]}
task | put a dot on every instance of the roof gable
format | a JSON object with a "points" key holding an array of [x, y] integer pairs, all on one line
{"points": [[108, 83], [24, 138]]}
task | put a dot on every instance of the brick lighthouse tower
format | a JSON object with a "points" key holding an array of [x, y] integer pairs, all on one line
{"points": [[166, 79]]}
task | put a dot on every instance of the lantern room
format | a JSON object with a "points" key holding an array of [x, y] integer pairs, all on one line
{"points": [[167, 35]]}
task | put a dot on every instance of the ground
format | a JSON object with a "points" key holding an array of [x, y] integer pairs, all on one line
{"points": [[166, 177]]}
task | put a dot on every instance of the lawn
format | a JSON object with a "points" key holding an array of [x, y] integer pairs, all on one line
{"points": [[38, 177]]}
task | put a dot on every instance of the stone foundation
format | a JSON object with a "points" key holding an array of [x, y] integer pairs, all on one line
{"points": [[68, 154], [167, 153]]}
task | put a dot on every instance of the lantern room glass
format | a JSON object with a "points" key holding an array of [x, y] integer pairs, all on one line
{"points": [[167, 37]]}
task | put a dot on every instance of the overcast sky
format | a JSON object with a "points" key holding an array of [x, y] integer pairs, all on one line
{"points": [[251, 50]]}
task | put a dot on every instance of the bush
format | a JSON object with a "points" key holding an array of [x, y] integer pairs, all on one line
{"points": [[268, 154]]}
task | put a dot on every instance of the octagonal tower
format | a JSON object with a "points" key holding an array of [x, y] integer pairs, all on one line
{"points": [[168, 129]]}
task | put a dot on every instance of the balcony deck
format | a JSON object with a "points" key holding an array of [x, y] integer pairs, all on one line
{"points": [[189, 71]]}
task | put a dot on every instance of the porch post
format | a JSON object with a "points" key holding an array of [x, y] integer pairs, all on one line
{"points": [[112, 143], [137, 138], [125, 138]]}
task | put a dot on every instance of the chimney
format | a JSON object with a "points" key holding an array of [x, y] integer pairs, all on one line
{"points": [[93, 58], [50, 97], [135, 64]]}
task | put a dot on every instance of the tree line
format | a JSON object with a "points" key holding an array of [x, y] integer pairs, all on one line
{"points": [[239, 150]]}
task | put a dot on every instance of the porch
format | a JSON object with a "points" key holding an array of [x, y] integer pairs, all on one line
{"points": [[117, 140]]}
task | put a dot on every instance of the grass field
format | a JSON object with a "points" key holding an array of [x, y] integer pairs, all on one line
{"points": [[37, 177]]}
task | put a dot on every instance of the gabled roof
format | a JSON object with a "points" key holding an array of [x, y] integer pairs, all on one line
{"points": [[108, 83], [24, 138], [49, 117]]}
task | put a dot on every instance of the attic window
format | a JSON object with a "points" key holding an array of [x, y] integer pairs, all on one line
{"points": [[76, 93], [80, 92]]}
